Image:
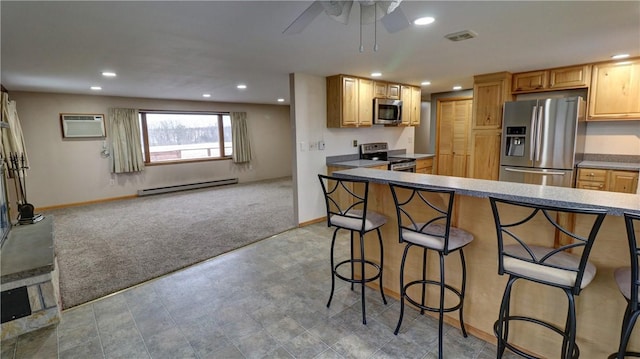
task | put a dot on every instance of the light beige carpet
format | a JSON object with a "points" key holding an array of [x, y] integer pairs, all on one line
{"points": [[107, 247]]}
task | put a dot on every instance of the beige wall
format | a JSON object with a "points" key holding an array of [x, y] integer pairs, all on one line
{"points": [[73, 171]]}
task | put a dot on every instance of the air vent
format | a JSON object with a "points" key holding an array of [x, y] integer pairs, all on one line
{"points": [[461, 35]]}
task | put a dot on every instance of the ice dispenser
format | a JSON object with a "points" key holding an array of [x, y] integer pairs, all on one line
{"points": [[516, 138]]}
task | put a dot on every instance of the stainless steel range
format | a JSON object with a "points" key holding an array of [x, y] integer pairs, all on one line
{"points": [[379, 151]]}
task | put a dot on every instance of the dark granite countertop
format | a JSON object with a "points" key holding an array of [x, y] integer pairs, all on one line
{"points": [[615, 203], [414, 156], [28, 251], [608, 165], [358, 163]]}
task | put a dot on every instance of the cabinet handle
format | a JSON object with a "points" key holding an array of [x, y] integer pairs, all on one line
{"points": [[592, 174], [601, 185]]}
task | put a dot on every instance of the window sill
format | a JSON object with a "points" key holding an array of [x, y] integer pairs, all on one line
{"points": [[187, 161]]}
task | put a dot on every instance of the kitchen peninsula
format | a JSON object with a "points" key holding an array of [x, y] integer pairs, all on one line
{"points": [[600, 306]]}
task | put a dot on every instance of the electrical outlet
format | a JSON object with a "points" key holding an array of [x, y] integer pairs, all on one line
{"points": [[321, 145], [355, 143]]}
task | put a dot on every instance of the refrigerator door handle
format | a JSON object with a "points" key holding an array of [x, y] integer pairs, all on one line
{"points": [[555, 173], [532, 145], [539, 131]]}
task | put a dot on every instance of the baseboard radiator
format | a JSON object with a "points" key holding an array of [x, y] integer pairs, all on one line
{"points": [[184, 187]]}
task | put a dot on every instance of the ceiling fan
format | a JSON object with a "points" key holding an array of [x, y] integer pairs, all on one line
{"points": [[371, 11]]}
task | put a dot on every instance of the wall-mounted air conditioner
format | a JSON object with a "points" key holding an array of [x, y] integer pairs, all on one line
{"points": [[82, 125]]}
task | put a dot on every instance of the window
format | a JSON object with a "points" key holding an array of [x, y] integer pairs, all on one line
{"points": [[185, 136]]}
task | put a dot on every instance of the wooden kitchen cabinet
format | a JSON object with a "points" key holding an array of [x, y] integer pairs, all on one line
{"points": [[393, 91], [607, 180], [411, 100], [560, 78], [530, 81], [623, 181], [490, 92], [424, 165], [349, 101], [386, 90], [615, 91], [453, 124], [365, 102], [484, 163]]}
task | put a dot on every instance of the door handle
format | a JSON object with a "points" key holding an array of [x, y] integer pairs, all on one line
{"points": [[532, 146], [554, 173], [539, 132]]}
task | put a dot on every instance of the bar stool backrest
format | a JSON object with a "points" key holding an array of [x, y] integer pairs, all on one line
{"points": [[346, 199], [425, 210], [631, 220], [529, 233]]}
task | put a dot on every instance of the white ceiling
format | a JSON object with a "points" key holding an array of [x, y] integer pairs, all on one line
{"points": [[180, 50]]}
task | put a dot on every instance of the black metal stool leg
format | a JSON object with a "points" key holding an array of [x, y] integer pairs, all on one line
{"points": [[570, 327], [424, 279], [384, 300], [333, 269], [627, 334], [501, 327], [462, 291], [352, 262], [363, 277], [402, 288], [441, 312]]}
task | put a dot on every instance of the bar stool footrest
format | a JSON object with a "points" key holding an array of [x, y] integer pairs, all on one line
{"points": [[576, 352], [361, 280], [432, 309]]}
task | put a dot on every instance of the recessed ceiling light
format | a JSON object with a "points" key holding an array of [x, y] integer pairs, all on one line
{"points": [[376, 74], [108, 74], [457, 87], [96, 88], [242, 86], [280, 100], [620, 56], [424, 20], [426, 83], [206, 95]]}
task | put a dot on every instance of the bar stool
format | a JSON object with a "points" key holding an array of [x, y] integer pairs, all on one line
{"points": [[629, 285], [524, 252], [424, 221], [346, 204]]}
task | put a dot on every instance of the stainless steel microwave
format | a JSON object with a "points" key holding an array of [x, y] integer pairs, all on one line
{"points": [[386, 111]]}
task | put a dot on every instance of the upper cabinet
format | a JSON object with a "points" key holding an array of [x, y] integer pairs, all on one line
{"points": [[615, 91], [490, 92], [386, 90], [350, 101], [411, 98], [552, 79], [343, 101]]}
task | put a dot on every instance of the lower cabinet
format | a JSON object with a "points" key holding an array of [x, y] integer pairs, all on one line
{"points": [[485, 154], [607, 180], [424, 165]]}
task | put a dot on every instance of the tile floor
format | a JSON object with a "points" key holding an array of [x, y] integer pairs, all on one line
{"points": [[266, 300]]}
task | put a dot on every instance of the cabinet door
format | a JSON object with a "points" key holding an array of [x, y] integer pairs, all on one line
{"points": [[615, 90], [407, 103], [596, 186], [424, 165], [365, 102], [380, 89], [623, 181], [349, 101], [416, 102], [393, 91], [488, 101], [529, 81], [569, 77], [485, 154]]}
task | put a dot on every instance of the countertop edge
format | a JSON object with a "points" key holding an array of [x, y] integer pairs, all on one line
{"points": [[614, 203]]}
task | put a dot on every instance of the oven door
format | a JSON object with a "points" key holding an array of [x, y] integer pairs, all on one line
{"points": [[403, 166]]}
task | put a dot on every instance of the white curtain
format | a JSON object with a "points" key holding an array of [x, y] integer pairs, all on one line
{"points": [[240, 138], [126, 140], [12, 139]]}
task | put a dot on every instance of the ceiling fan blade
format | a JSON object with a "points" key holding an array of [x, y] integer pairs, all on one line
{"points": [[395, 21], [302, 21]]}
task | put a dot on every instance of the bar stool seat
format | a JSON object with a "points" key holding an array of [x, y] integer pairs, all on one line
{"points": [[346, 204]]}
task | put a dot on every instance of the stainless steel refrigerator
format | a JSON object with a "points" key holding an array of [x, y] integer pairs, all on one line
{"points": [[542, 141]]}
